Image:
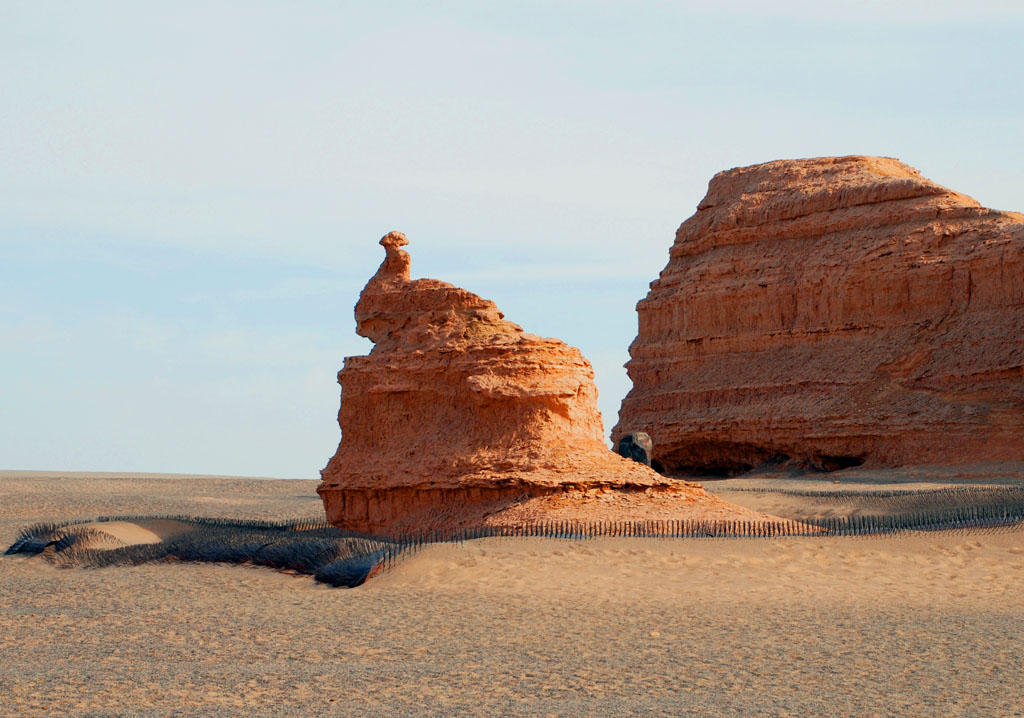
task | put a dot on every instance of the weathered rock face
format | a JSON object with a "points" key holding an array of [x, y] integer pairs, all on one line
{"points": [[833, 311], [459, 417]]}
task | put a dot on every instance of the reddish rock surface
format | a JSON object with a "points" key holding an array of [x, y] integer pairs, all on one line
{"points": [[458, 417], [832, 312]]}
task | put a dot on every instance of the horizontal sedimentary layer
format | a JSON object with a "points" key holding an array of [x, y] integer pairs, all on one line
{"points": [[562, 467], [843, 307]]}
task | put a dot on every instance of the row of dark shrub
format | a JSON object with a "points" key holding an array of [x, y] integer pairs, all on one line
{"points": [[958, 518], [46, 532], [337, 560], [308, 546], [952, 497], [299, 524], [340, 558], [959, 492]]}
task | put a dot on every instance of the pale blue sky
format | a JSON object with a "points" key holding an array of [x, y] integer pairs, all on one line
{"points": [[191, 192]]}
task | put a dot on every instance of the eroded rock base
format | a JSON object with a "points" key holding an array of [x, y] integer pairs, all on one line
{"points": [[393, 512]]}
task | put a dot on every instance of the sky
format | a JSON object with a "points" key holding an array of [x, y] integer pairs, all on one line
{"points": [[191, 193]]}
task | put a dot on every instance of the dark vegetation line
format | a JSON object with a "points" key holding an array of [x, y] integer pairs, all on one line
{"points": [[344, 558], [950, 497], [306, 546], [959, 491]]}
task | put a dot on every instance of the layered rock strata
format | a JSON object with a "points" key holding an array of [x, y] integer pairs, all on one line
{"points": [[458, 417], [833, 312]]}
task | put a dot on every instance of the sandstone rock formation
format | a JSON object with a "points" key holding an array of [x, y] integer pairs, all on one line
{"points": [[457, 417], [832, 312]]}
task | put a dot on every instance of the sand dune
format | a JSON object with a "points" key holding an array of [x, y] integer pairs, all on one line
{"points": [[926, 624], [129, 533]]}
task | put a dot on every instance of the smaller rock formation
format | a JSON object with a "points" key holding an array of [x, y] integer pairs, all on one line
{"points": [[458, 417], [637, 446]]}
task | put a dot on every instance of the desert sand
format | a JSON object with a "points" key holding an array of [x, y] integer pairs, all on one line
{"points": [[923, 624]]}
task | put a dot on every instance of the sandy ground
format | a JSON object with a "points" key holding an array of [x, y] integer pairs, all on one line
{"points": [[922, 625]]}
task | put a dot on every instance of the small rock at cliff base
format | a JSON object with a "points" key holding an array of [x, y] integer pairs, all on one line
{"points": [[637, 446], [836, 311], [458, 417]]}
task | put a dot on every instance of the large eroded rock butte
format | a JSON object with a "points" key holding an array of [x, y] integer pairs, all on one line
{"points": [[833, 312], [457, 417]]}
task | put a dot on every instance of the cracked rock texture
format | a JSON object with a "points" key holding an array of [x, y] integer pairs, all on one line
{"points": [[832, 312], [458, 417]]}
